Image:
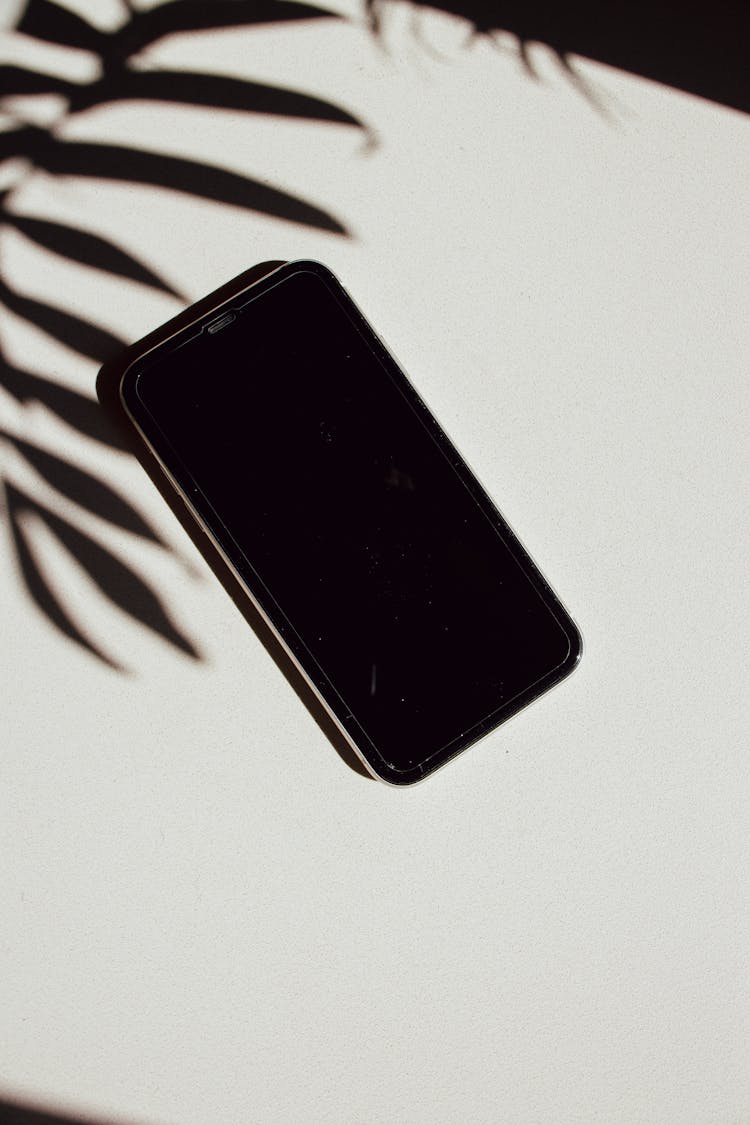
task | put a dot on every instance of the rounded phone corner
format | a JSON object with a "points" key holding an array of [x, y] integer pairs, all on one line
{"points": [[395, 778], [575, 651]]}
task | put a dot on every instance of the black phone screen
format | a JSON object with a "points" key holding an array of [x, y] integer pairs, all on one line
{"points": [[354, 522]]}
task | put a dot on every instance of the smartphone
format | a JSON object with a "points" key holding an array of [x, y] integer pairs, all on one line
{"points": [[351, 521]]}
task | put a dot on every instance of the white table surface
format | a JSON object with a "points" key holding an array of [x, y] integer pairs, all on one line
{"points": [[205, 914]]}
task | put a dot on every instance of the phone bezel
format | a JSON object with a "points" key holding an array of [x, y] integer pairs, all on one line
{"points": [[283, 629]]}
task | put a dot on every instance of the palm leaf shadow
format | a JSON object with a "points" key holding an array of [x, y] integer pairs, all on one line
{"points": [[52, 23], [70, 406], [146, 27], [214, 90], [80, 335], [37, 586], [19, 80], [154, 169], [189, 177], [84, 489], [121, 585], [88, 249], [180, 87]]}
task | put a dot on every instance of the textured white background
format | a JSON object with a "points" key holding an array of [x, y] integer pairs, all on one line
{"points": [[205, 915]]}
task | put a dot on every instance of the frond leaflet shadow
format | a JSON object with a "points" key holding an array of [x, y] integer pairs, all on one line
{"points": [[121, 585]]}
